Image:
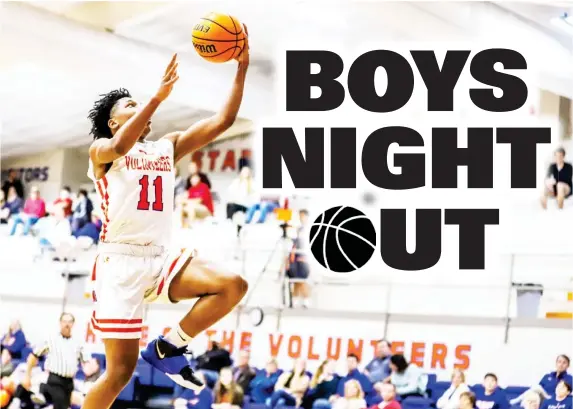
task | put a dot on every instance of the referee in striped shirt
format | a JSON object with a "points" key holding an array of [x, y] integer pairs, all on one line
{"points": [[62, 354]]}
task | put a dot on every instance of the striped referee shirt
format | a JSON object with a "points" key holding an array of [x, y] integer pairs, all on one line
{"points": [[62, 355]]}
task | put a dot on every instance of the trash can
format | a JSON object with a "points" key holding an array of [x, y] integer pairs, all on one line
{"points": [[528, 299]]}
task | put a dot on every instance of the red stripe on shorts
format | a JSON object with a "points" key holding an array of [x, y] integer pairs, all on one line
{"points": [[117, 321], [117, 329], [171, 267]]}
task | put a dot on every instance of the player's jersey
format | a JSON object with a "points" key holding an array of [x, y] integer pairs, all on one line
{"points": [[136, 195]]}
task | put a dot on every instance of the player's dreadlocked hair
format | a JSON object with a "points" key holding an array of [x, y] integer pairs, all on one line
{"points": [[100, 113]]}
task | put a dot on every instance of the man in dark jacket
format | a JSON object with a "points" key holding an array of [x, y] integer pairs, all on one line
{"points": [[212, 361], [243, 373]]}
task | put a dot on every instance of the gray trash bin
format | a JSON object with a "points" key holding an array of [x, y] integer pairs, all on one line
{"points": [[528, 299]]}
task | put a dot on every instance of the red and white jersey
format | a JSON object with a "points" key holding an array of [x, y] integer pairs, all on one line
{"points": [[136, 195]]}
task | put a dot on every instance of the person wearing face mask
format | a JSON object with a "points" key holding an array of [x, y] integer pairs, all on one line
{"points": [[562, 398], [451, 397], [490, 395]]}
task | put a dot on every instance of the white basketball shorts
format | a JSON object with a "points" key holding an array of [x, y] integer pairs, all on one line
{"points": [[124, 277]]}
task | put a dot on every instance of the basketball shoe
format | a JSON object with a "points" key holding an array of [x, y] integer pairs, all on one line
{"points": [[170, 360]]}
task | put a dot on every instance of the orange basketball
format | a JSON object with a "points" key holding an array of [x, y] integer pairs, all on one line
{"points": [[4, 398], [218, 37], [8, 384]]}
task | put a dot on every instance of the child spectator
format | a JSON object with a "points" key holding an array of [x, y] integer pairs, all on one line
{"points": [[82, 214], [388, 393], [561, 400], [352, 362], [241, 193], [291, 386], [378, 370], [408, 379], [227, 394], [12, 206], [353, 397], [467, 400], [243, 373], [34, 209], [490, 395], [323, 385], [451, 397], [200, 202], [189, 399], [263, 385]]}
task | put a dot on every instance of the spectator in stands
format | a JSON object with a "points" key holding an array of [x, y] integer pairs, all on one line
{"points": [[388, 393], [353, 397], [64, 201], [12, 206], [92, 371], [243, 373], [378, 370], [298, 268], [263, 384], [562, 398], [227, 394], [194, 170], [323, 385], [559, 182], [467, 400], [490, 395], [15, 182], [91, 229], [291, 386], [82, 214], [409, 379], [199, 204], [451, 397], [11, 347], [212, 361], [241, 193], [352, 362], [549, 381], [531, 400], [56, 230], [34, 209], [189, 399]]}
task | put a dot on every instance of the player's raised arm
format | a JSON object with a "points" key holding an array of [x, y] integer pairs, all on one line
{"points": [[206, 130], [122, 136]]}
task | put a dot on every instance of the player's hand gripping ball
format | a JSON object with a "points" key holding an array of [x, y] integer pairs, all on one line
{"points": [[219, 37]]}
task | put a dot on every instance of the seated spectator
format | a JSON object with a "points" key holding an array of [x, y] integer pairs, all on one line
{"points": [[83, 209], [388, 393], [265, 206], [490, 395], [12, 206], [531, 400], [241, 193], [409, 379], [194, 170], [212, 361], [15, 182], [550, 380], [34, 209], [353, 397], [467, 400], [56, 230], [243, 373], [91, 229], [199, 204], [559, 182], [263, 384], [64, 201], [561, 398], [14, 341], [298, 265], [378, 370], [291, 386], [227, 394], [451, 397], [92, 372], [189, 399], [323, 385], [352, 362]]}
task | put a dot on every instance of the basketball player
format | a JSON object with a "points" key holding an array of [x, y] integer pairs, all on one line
{"points": [[135, 179]]}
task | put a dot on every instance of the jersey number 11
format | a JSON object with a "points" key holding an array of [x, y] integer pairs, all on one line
{"points": [[143, 203]]}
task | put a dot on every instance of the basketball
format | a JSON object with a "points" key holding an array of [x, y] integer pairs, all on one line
{"points": [[342, 239], [4, 398], [218, 37]]}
